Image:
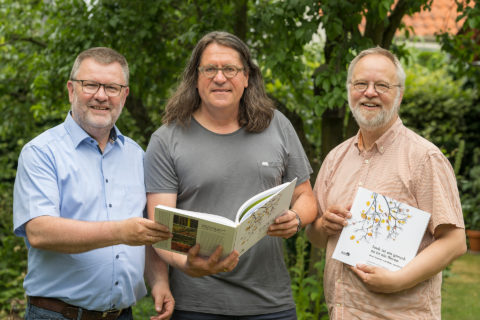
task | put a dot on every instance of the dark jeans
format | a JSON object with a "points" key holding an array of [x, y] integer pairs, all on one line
{"points": [[36, 313], [189, 315]]}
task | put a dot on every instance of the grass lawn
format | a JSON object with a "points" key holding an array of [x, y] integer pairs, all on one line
{"points": [[460, 293]]}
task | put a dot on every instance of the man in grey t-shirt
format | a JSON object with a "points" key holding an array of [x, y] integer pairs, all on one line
{"points": [[221, 143]]}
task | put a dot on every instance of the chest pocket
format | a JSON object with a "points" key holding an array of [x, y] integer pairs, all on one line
{"points": [[270, 173]]}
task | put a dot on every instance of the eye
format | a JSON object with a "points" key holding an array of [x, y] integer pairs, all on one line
{"points": [[360, 85], [382, 85], [90, 85], [210, 69], [111, 88], [229, 69]]}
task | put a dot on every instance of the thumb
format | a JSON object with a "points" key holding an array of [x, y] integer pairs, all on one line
{"points": [[365, 268], [159, 304], [194, 250]]}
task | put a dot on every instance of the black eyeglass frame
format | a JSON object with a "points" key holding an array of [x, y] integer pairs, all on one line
{"points": [[104, 85]]}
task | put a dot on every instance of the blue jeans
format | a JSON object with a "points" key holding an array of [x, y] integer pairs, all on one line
{"points": [[36, 313], [189, 315]]}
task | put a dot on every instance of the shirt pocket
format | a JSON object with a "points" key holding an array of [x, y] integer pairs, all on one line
{"points": [[133, 200], [270, 173]]}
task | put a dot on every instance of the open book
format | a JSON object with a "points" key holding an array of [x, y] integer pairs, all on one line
{"points": [[381, 232], [252, 221]]}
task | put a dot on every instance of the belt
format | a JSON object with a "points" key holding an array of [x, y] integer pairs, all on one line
{"points": [[71, 311]]}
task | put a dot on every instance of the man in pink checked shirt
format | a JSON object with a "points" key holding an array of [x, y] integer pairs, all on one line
{"points": [[388, 158]]}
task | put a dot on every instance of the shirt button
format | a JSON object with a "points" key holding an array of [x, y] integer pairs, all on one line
{"points": [[117, 256], [339, 304], [360, 183], [106, 180], [110, 205], [366, 161], [116, 283]]}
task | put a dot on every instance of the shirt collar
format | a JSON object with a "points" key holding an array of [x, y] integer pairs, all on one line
{"points": [[77, 134], [387, 139]]}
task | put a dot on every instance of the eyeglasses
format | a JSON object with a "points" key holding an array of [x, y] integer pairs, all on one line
{"points": [[229, 71], [91, 87], [380, 87]]}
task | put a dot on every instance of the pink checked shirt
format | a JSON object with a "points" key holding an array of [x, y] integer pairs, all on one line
{"points": [[403, 166]]}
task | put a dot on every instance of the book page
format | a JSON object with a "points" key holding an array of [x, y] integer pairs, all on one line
{"points": [[381, 232], [255, 202], [255, 227], [188, 230]]}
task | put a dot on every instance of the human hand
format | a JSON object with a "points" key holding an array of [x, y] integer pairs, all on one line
{"points": [[140, 231], [284, 226], [378, 279], [163, 301], [334, 219], [197, 266]]}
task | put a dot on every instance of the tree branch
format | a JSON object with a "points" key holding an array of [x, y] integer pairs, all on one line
{"points": [[14, 38]]}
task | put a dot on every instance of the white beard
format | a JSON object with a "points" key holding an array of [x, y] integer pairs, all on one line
{"points": [[382, 118]]}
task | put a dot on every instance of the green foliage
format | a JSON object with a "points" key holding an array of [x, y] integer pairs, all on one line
{"points": [[39, 40], [13, 263], [464, 47], [434, 106], [464, 51], [307, 289], [470, 194]]}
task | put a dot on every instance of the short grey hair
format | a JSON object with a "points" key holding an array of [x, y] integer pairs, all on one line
{"points": [[102, 55], [378, 50]]}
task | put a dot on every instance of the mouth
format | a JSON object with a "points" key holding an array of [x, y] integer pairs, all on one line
{"points": [[220, 90], [370, 105], [101, 108]]}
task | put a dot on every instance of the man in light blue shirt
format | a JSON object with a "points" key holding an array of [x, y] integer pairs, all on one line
{"points": [[79, 199]]}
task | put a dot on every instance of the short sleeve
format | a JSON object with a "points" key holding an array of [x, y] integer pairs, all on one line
{"points": [[298, 164], [436, 191], [160, 175], [36, 190]]}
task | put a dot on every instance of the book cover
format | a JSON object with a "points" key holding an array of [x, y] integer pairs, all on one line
{"points": [[381, 232], [209, 230]]}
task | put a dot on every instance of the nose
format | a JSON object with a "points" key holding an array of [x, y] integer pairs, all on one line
{"points": [[219, 77], [371, 92], [101, 94]]}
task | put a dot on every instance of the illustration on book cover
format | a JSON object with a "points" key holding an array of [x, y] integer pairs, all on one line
{"points": [[381, 232], [380, 217]]}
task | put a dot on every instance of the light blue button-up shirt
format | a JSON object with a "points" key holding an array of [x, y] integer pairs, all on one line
{"points": [[62, 173]]}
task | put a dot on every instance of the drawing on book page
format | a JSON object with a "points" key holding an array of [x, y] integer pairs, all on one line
{"points": [[258, 223]]}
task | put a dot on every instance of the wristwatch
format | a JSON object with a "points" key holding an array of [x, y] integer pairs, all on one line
{"points": [[299, 227]]}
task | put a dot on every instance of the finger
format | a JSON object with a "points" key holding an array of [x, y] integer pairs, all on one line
{"points": [[152, 225], [285, 217], [231, 261], [331, 227], [340, 211], [193, 252], [283, 227], [215, 256], [365, 268], [335, 219], [358, 272]]}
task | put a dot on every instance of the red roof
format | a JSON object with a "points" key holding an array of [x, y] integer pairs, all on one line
{"points": [[441, 18]]}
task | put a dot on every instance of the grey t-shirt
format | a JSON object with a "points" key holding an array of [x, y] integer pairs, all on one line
{"points": [[216, 173]]}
